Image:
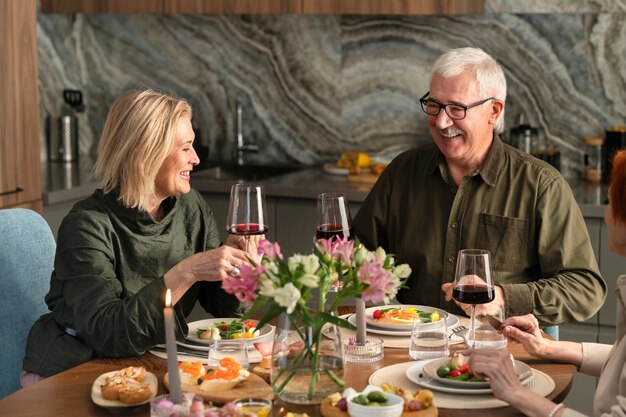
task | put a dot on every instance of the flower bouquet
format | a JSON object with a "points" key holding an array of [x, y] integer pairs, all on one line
{"points": [[289, 287]]}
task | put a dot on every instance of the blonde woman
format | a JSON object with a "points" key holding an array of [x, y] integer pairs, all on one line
{"points": [[119, 249]]}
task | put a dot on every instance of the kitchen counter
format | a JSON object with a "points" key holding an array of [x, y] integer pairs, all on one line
{"points": [[69, 181]]}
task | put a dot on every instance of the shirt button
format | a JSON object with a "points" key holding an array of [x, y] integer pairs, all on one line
{"points": [[455, 225], [451, 259]]}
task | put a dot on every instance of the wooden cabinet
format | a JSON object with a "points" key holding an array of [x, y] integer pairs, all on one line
{"points": [[20, 171], [404, 7]]}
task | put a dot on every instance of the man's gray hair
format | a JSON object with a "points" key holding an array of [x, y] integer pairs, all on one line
{"points": [[489, 74]]}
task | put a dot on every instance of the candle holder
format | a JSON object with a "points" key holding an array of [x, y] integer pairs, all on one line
{"points": [[370, 351]]}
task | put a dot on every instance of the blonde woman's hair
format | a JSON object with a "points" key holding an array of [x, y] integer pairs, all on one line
{"points": [[138, 135]]}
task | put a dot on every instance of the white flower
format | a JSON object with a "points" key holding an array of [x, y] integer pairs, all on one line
{"points": [[361, 255], [381, 254], [267, 287], [287, 297], [402, 271], [311, 263], [295, 261], [310, 280]]}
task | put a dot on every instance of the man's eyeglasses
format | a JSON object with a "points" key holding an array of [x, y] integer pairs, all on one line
{"points": [[454, 111]]}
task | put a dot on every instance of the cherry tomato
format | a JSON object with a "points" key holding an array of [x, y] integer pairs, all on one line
{"points": [[454, 372], [471, 374], [224, 328], [377, 314], [463, 368]]}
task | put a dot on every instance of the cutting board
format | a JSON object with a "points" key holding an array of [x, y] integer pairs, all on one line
{"points": [[328, 410], [254, 387]]}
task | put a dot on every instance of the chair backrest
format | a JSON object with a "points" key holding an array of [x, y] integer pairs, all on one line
{"points": [[27, 250]]}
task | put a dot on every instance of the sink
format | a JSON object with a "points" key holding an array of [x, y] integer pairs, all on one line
{"points": [[245, 172]]}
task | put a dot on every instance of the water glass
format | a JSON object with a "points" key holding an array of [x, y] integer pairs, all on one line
{"points": [[486, 335], [228, 348], [429, 340]]}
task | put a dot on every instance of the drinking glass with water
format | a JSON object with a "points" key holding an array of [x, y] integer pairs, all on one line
{"points": [[429, 339], [228, 348]]}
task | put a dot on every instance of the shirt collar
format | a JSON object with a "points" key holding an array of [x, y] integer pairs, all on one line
{"points": [[488, 171]]}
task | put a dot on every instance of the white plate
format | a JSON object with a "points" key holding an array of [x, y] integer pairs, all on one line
{"points": [[430, 370], [414, 371], [332, 168], [452, 322], [369, 318], [96, 393], [205, 324]]}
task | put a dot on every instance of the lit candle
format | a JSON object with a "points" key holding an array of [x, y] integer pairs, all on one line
{"points": [[170, 344], [360, 321]]}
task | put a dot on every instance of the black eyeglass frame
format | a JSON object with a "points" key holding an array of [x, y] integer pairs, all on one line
{"points": [[424, 101]]}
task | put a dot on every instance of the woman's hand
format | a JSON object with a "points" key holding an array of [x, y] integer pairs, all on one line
{"points": [[497, 365], [525, 330], [239, 242]]}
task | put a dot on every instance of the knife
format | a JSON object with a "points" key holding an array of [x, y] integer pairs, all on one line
{"points": [[492, 321], [186, 352]]}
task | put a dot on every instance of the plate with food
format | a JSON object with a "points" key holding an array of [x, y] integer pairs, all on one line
{"points": [[124, 388], [400, 317], [223, 383], [417, 373], [334, 169], [201, 332]]}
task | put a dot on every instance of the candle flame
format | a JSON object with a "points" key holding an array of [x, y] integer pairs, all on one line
{"points": [[168, 298]]}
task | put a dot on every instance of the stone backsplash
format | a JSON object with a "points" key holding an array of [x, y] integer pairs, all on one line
{"points": [[314, 86]]}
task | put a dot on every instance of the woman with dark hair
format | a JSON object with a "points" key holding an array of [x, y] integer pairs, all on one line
{"points": [[608, 362]]}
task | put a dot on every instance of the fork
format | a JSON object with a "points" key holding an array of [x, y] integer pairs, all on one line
{"points": [[458, 330]]}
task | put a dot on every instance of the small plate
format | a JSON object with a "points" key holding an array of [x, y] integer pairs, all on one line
{"points": [[334, 169], [205, 324], [96, 393], [430, 369], [452, 322], [369, 318]]}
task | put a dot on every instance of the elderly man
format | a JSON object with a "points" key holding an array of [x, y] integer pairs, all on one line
{"points": [[469, 190]]}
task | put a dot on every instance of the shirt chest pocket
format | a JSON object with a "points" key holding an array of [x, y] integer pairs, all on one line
{"points": [[506, 238]]}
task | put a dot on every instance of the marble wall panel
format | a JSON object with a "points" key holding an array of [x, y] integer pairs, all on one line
{"points": [[314, 86]]}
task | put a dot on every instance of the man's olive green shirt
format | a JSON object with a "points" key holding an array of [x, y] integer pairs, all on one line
{"points": [[516, 206], [107, 283]]}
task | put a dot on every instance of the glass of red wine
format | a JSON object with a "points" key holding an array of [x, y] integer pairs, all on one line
{"points": [[247, 214], [472, 281], [333, 216]]}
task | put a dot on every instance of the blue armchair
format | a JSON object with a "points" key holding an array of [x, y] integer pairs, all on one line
{"points": [[27, 250]]}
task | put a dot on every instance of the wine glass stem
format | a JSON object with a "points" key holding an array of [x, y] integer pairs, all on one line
{"points": [[247, 238], [473, 326]]}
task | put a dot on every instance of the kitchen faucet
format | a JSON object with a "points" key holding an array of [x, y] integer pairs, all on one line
{"points": [[242, 148]]}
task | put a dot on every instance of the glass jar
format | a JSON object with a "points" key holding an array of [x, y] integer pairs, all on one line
{"points": [[593, 158]]}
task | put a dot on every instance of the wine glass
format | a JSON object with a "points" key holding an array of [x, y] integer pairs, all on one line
{"points": [[472, 280], [333, 216], [247, 214]]}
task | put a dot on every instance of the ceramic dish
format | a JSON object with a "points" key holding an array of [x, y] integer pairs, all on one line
{"points": [[96, 392], [371, 328], [205, 324], [416, 374], [430, 369], [369, 318], [334, 169]]}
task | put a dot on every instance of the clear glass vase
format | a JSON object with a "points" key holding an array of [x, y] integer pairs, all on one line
{"points": [[307, 363]]}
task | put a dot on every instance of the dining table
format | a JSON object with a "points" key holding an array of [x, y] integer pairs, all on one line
{"points": [[69, 393]]}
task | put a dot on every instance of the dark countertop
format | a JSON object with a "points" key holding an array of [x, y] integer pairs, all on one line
{"points": [[65, 182]]}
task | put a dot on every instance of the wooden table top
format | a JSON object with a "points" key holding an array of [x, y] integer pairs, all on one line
{"points": [[69, 393]]}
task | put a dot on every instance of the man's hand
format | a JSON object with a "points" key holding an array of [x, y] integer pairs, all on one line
{"points": [[489, 308]]}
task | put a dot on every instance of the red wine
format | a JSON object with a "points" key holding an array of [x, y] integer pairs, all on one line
{"points": [[473, 294], [329, 230], [247, 229]]}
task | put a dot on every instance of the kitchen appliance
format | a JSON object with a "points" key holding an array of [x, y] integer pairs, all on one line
{"points": [[615, 139], [528, 139], [62, 132]]}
